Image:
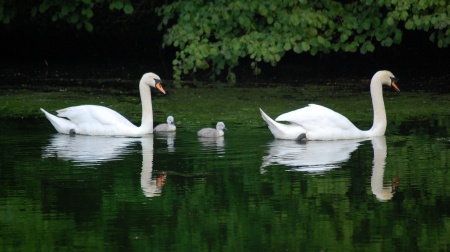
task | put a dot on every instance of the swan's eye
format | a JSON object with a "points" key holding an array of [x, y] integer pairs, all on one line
{"points": [[394, 79]]}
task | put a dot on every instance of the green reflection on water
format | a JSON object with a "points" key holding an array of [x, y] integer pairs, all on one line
{"points": [[215, 196]]}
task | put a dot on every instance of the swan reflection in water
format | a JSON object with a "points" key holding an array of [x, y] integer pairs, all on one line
{"points": [[310, 156], [381, 192], [95, 150], [320, 156]]}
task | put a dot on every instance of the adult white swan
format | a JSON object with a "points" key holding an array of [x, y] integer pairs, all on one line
{"points": [[98, 120], [316, 122]]}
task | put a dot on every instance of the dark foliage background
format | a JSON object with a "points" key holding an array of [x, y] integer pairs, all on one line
{"points": [[127, 45]]}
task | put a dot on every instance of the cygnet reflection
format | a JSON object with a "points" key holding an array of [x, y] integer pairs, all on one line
{"points": [[169, 137], [213, 143]]}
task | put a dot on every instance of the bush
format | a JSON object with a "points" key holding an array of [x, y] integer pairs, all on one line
{"points": [[214, 35]]}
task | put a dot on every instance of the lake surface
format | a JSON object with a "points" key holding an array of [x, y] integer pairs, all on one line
{"points": [[243, 192]]}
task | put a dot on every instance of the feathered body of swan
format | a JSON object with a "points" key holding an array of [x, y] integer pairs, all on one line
{"points": [[210, 132], [316, 122], [166, 127], [99, 120]]}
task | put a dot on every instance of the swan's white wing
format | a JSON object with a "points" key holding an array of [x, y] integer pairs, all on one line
{"points": [[282, 131], [93, 114], [314, 116], [322, 123], [62, 125]]}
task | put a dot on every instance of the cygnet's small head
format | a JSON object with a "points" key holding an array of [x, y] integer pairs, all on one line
{"points": [[220, 126], [153, 80], [387, 78], [170, 120]]}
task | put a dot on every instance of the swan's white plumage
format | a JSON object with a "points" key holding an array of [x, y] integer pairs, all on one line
{"points": [[316, 122], [99, 120], [282, 131], [322, 123]]}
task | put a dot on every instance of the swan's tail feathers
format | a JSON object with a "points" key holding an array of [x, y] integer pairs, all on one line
{"points": [[61, 125], [282, 131]]}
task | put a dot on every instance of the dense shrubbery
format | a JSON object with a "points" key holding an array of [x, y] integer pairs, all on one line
{"points": [[215, 35], [78, 12]]}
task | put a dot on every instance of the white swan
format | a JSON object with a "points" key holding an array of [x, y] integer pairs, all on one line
{"points": [[210, 132], [169, 126], [316, 122], [98, 120]]}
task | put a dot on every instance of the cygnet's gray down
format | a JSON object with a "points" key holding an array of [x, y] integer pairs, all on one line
{"points": [[210, 132], [169, 126]]}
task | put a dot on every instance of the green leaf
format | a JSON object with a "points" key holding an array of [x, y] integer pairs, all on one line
{"points": [[321, 40], [74, 19], [298, 48], [287, 46], [244, 21], [89, 13], [305, 46], [277, 57], [273, 6], [214, 51], [277, 25], [119, 5], [64, 11], [387, 42], [294, 20], [432, 37], [42, 7], [366, 24], [398, 35], [215, 19], [128, 8], [409, 25], [88, 26], [116, 5], [404, 15], [206, 29], [263, 10], [390, 21]]}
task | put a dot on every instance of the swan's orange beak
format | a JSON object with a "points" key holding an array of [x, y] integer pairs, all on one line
{"points": [[160, 88], [395, 86]]}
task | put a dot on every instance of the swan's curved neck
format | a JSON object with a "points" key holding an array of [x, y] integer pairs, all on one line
{"points": [[147, 109], [379, 112]]}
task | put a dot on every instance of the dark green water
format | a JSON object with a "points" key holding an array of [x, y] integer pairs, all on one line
{"points": [[244, 192]]}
